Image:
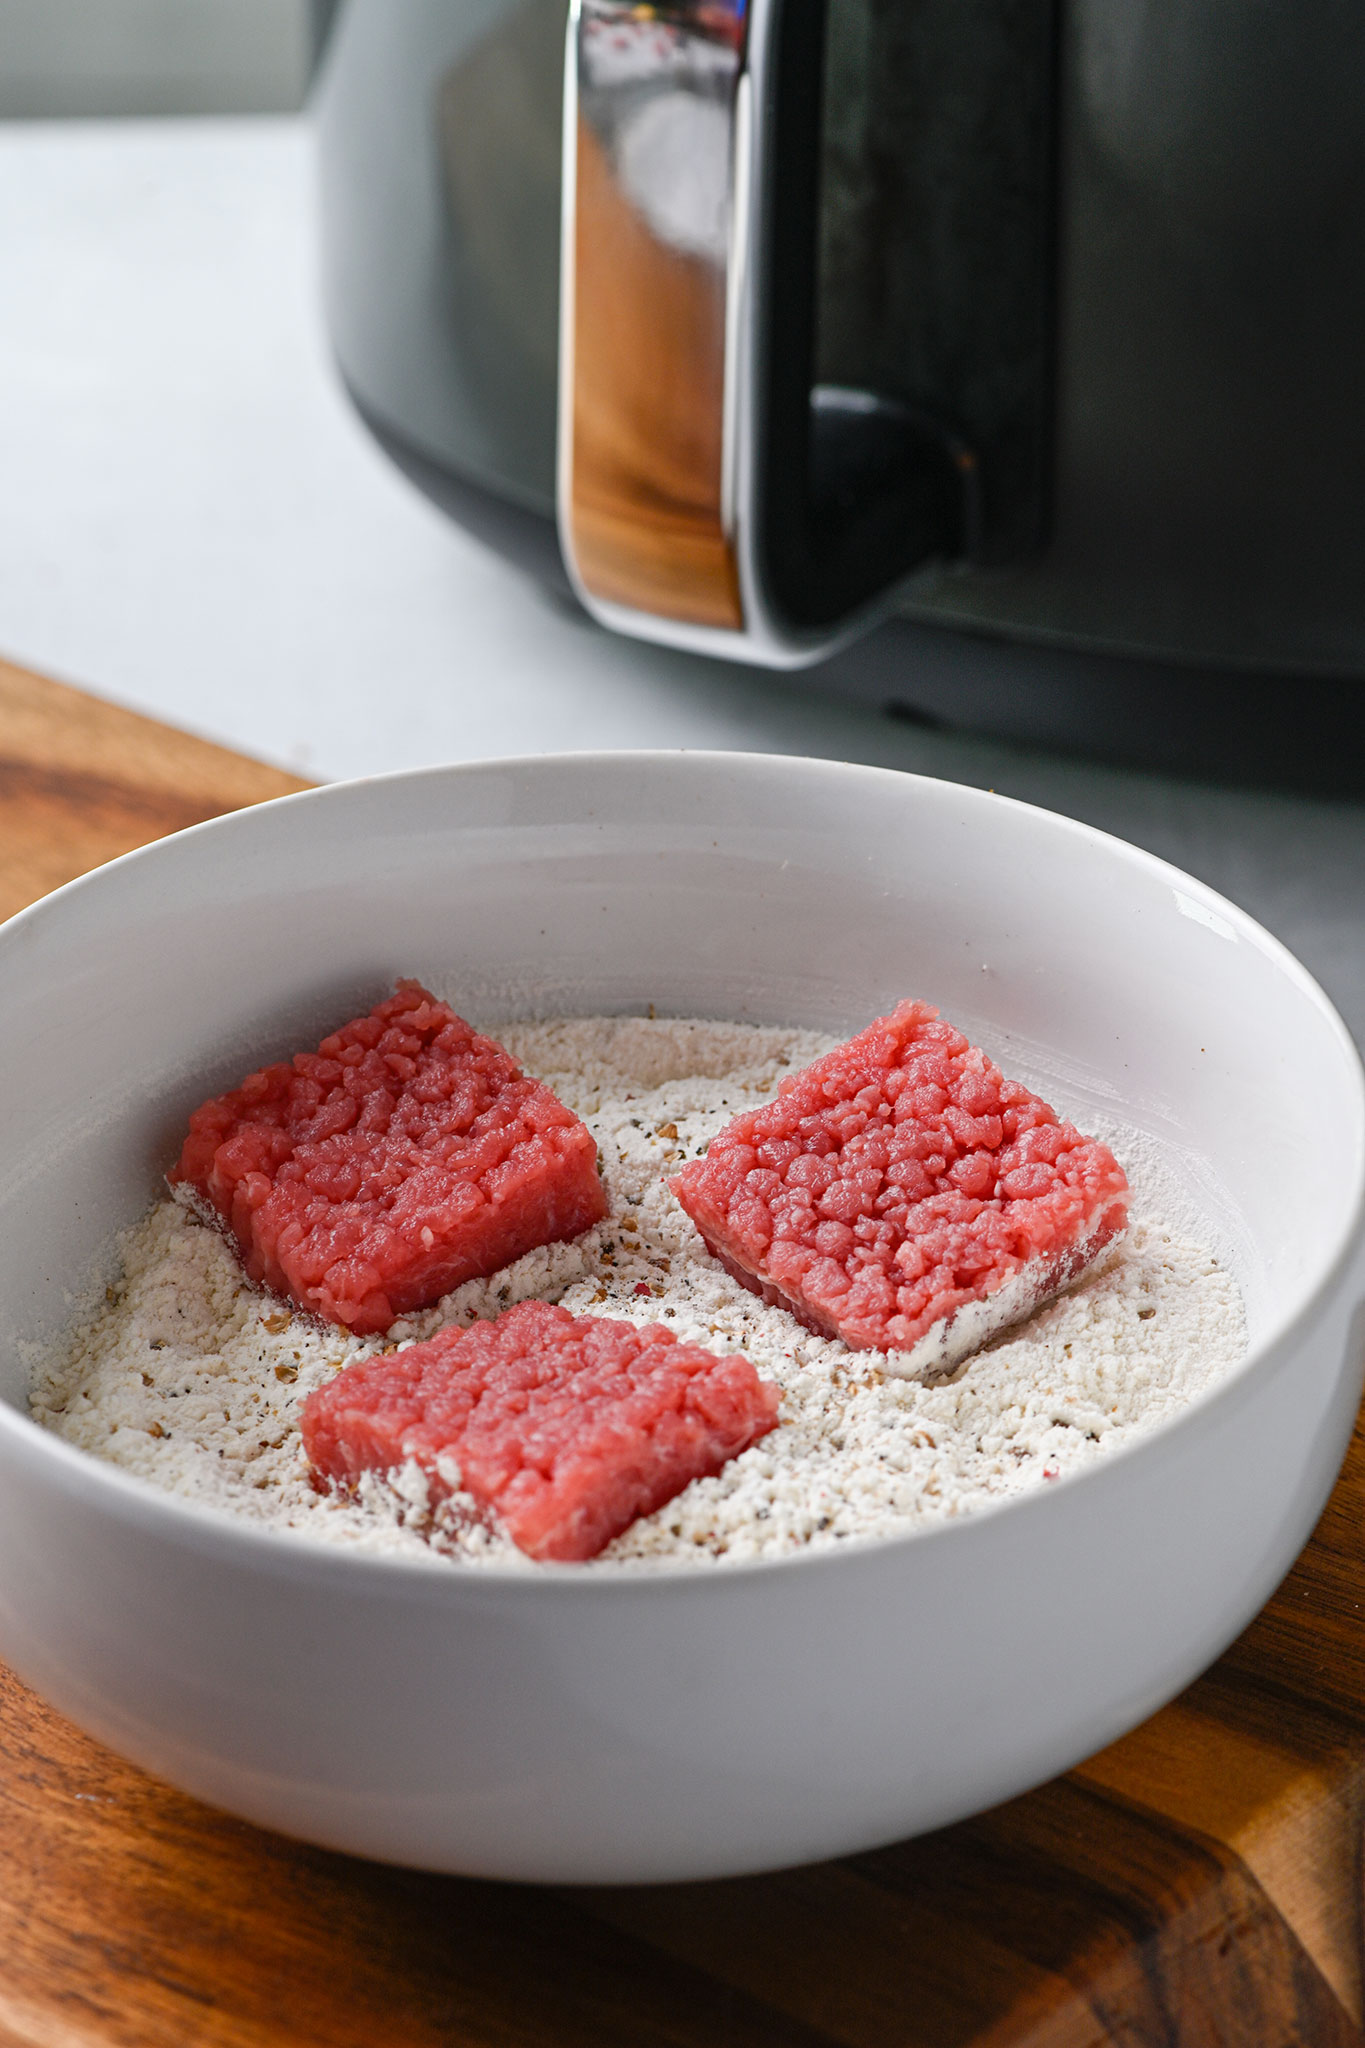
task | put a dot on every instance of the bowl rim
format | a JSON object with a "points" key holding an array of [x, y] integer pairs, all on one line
{"points": [[290, 1552]]}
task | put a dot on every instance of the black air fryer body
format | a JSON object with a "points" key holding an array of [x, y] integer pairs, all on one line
{"points": [[1115, 242]]}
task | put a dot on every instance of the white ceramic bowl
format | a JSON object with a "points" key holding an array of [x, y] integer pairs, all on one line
{"points": [[590, 1723]]}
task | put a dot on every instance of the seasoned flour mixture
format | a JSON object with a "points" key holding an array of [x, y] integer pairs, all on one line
{"points": [[191, 1378]]}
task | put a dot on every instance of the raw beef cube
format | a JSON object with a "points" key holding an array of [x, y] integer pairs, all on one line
{"points": [[563, 1428], [404, 1156], [903, 1195]]}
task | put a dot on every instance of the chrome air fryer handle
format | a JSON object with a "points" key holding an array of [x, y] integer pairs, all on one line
{"points": [[654, 263], [716, 489]]}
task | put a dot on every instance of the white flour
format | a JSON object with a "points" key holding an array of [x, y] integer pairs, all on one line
{"points": [[192, 1379]]}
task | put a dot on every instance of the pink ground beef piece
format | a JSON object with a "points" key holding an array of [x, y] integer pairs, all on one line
{"points": [[903, 1195], [563, 1428], [406, 1155]]}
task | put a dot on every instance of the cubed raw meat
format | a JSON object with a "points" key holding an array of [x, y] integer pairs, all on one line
{"points": [[903, 1195], [404, 1156], [563, 1428]]}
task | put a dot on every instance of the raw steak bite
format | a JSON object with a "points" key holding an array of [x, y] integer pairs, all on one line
{"points": [[564, 1428], [404, 1156], [903, 1195]]}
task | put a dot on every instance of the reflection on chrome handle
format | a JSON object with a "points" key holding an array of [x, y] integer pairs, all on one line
{"points": [[649, 300], [713, 493]]}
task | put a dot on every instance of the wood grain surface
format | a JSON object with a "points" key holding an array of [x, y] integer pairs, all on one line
{"points": [[82, 780], [1197, 1885]]}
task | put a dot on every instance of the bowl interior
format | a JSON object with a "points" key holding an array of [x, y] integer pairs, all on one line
{"points": [[758, 889]]}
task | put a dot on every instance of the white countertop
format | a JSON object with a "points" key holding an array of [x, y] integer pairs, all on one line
{"points": [[193, 523]]}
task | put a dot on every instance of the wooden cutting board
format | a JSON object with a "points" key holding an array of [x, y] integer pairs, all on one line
{"points": [[1198, 1883]]}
